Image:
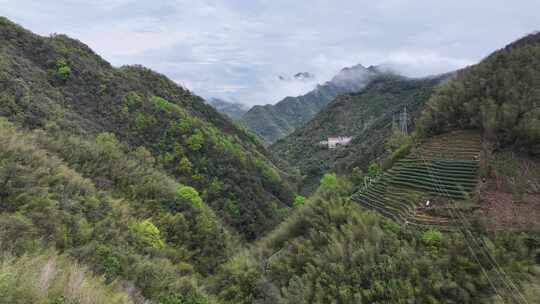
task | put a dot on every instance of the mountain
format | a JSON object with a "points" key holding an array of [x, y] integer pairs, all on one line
{"points": [[119, 186], [365, 116], [231, 109], [331, 250], [60, 81], [499, 96], [272, 122], [124, 170], [473, 157]]}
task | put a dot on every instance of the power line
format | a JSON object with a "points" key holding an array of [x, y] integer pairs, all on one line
{"points": [[504, 278]]}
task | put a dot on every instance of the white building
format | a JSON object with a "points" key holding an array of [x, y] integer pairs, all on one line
{"points": [[333, 142]]}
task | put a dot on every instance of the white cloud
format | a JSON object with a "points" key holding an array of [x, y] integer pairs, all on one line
{"points": [[422, 63], [236, 49]]}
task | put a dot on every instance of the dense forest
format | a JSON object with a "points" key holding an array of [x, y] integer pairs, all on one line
{"points": [[500, 96], [333, 251], [123, 170], [119, 186], [57, 83]]}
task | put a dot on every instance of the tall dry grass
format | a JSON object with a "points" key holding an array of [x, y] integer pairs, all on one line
{"points": [[53, 279]]}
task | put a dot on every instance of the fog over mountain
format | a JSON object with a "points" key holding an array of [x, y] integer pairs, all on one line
{"points": [[272, 122], [231, 109]]}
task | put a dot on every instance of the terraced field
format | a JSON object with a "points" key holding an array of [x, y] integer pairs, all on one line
{"points": [[442, 170]]}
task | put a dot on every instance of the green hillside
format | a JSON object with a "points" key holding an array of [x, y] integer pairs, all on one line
{"points": [[365, 116], [331, 250], [119, 186], [272, 122], [499, 96], [110, 209], [122, 170], [58, 84]]}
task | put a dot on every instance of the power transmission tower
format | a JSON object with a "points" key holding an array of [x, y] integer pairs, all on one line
{"points": [[404, 121]]}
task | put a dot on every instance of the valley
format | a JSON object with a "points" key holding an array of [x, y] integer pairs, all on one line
{"points": [[118, 185]]}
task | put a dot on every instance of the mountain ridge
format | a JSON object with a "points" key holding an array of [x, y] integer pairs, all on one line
{"points": [[233, 110], [84, 95], [272, 122], [366, 116]]}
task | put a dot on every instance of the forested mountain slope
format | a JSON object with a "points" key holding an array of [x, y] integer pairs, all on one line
{"points": [[365, 116], [500, 96], [272, 122], [58, 84], [331, 250], [231, 109], [110, 209]]}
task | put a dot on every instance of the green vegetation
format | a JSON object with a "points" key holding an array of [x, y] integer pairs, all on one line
{"points": [[497, 96], [273, 122], [191, 195], [124, 220], [434, 170], [332, 251], [118, 186], [366, 116], [299, 201], [52, 279], [62, 69], [187, 138], [147, 234]]}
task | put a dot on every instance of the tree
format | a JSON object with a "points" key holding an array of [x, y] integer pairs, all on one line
{"points": [[397, 140], [62, 69], [374, 170], [185, 166], [191, 195], [329, 181], [147, 234], [299, 201], [357, 176], [432, 237], [195, 141]]}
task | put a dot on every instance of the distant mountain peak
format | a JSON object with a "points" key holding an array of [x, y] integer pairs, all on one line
{"points": [[276, 121], [234, 110], [353, 78]]}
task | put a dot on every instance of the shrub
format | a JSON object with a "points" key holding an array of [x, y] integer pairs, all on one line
{"points": [[147, 234], [374, 170], [396, 155], [161, 103], [329, 181], [195, 141], [191, 195], [185, 166], [62, 69], [299, 201], [432, 238], [132, 101]]}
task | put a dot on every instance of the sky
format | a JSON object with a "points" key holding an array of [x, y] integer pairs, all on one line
{"points": [[237, 49]]}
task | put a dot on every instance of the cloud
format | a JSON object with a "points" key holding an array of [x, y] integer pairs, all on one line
{"points": [[424, 62], [235, 49]]}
